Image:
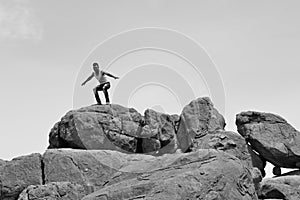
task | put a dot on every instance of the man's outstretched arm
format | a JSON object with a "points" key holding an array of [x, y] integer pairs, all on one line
{"points": [[88, 79], [108, 74]]}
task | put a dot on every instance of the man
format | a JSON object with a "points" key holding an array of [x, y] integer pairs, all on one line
{"points": [[104, 84]]}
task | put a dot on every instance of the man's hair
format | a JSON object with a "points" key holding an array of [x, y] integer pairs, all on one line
{"points": [[95, 64]]}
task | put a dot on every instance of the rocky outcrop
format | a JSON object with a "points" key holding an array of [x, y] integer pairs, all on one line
{"points": [[197, 119], [114, 152], [227, 141], [123, 129], [114, 127], [203, 174], [17, 174], [52, 191], [272, 137], [67, 173], [284, 187]]}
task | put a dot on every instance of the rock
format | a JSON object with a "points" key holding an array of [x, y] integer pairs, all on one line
{"points": [[256, 175], [257, 178], [164, 127], [17, 174], [227, 141], [95, 168], [2, 162], [277, 171], [114, 127], [197, 119], [85, 167], [53, 191], [175, 120], [97, 127], [203, 174], [150, 145], [159, 130], [284, 187], [271, 136], [257, 161]]}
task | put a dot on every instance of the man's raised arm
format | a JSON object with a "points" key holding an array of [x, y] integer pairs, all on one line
{"points": [[108, 74], [88, 79]]}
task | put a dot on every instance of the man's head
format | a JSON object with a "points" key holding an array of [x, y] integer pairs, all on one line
{"points": [[96, 67]]}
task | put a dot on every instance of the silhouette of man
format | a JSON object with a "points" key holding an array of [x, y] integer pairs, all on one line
{"points": [[104, 85]]}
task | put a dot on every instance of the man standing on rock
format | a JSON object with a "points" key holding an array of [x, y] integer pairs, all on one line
{"points": [[104, 84]]}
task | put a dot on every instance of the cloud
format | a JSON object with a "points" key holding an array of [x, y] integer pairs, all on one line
{"points": [[17, 21]]}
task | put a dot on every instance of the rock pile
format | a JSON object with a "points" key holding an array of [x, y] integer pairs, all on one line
{"points": [[271, 138], [114, 152]]}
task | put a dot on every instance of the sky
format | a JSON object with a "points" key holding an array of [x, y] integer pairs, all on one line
{"points": [[47, 47]]}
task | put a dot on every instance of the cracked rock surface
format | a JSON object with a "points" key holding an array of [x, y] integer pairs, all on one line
{"points": [[272, 137], [17, 174], [70, 173], [52, 191], [203, 174], [197, 119], [90, 168], [227, 141]]}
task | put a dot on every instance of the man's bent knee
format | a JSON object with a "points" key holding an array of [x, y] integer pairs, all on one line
{"points": [[106, 87]]}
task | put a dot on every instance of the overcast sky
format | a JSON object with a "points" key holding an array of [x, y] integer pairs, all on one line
{"points": [[45, 48]]}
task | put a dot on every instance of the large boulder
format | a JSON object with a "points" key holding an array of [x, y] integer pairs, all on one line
{"points": [[227, 141], [197, 119], [271, 136], [203, 174], [114, 127], [53, 191], [17, 174], [284, 187], [97, 127]]}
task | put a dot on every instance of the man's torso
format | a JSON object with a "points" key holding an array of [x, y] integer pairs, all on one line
{"points": [[100, 77]]}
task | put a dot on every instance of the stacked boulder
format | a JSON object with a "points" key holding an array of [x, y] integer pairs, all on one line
{"points": [[115, 127], [271, 138], [114, 152]]}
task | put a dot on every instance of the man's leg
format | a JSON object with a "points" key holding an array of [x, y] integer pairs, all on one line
{"points": [[105, 88], [95, 90]]}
